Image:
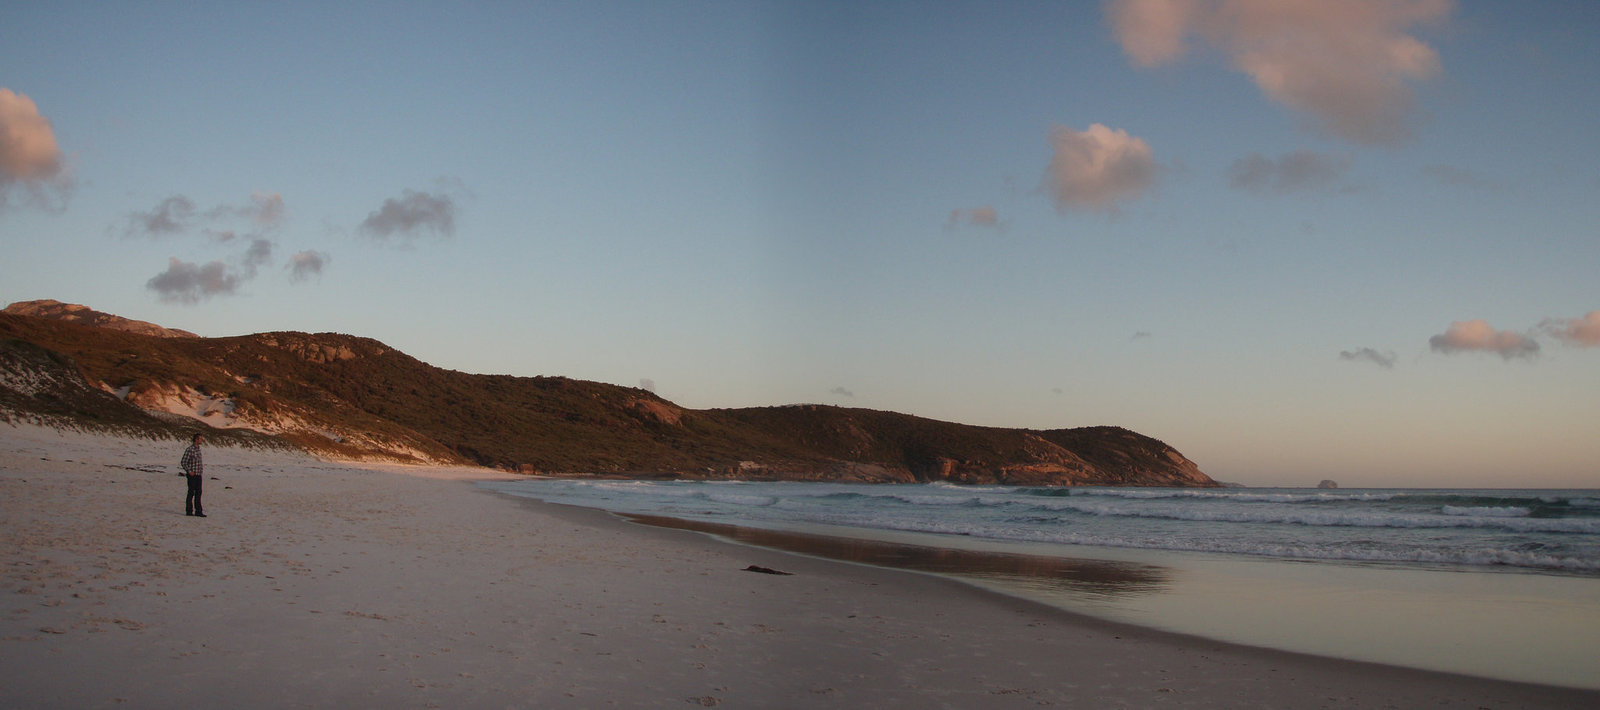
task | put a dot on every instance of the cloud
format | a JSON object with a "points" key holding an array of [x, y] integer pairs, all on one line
{"points": [[1097, 168], [187, 283], [173, 215], [179, 214], [1459, 177], [1385, 359], [259, 254], [30, 160], [1152, 32], [842, 392], [414, 212], [1477, 335], [267, 209], [306, 264], [647, 384], [1347, 64], [1578, 332], [1301, 170], [985, 216]]}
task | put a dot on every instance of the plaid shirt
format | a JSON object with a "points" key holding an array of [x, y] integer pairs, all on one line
{"points": [[190, 463]]}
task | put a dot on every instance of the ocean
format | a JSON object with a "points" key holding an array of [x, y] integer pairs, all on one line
{"points": [[1499, 583]]}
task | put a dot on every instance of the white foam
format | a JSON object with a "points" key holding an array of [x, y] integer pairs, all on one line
{"points": [[1487, 511]]}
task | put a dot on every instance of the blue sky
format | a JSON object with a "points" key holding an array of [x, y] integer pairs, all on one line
{"points": [[1296, 240]]}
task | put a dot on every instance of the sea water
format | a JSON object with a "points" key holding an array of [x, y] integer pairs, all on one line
{"points": [[1499, 583]]}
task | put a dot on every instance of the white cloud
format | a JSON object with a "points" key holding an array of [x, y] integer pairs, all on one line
{"points": [[1097, 168], [1578, 332], [1478, 336], [1301, 170], [29, 157], [1347, 64]]}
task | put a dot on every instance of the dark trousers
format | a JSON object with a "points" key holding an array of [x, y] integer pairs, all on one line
{"points": [[191, 502]]}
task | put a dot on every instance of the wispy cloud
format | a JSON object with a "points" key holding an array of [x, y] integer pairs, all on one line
{"points": [[1348, 64], [1460, 177], [1478, 336], [1298, 171], [414, 213], [1581, 332], [985, 216], [188, 283], [259, 254], [178, 214], [173, 215], [842, 392], [30, 160], [1097, 168], [1385, 359], [306, 264], [246, 223]]}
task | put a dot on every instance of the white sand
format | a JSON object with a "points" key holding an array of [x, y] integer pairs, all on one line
{"points": [[314, 584]]}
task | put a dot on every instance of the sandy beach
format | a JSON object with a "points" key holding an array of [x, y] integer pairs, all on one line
{"points": [[318, 584]]}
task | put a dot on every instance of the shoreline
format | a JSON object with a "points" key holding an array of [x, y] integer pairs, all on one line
{"points": [[317, 583], [1149, 590]]}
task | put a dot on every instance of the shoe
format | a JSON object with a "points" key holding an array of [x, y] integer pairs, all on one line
{"points": [[199, 515], [188, 513]]}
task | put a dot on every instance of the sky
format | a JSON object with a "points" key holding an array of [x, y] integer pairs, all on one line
{"points": [[1297, 240]]}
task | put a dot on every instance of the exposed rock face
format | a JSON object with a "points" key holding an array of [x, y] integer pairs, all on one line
{"points": [[75, 313], [1327, 484]]}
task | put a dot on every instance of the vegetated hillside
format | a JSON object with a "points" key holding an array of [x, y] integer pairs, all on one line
{"points": [[356, 397]]}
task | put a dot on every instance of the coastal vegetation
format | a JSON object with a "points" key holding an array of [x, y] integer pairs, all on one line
{"points": [[351, 397]]}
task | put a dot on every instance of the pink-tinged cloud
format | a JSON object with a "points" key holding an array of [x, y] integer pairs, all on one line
{"points": [[1153, 32], [1098, 168], [306, 264], [1478, 336], [1580, 332], [985, 216], [1348, 64], [266, 209], [29, 156]]}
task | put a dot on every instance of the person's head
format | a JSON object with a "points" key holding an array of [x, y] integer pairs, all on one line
{"points": [[199, 438]]}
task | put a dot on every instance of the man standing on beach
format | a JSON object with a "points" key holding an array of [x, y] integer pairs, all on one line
{"points": [[193, 471]]}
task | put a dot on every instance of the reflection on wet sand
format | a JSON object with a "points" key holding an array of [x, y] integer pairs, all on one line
{"points": [[1096, 578]]}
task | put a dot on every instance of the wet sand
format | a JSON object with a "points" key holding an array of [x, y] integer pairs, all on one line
{"points": [[322, 584]]}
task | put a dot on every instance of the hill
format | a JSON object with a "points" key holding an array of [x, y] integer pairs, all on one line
{"points": [[352, 397]]}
